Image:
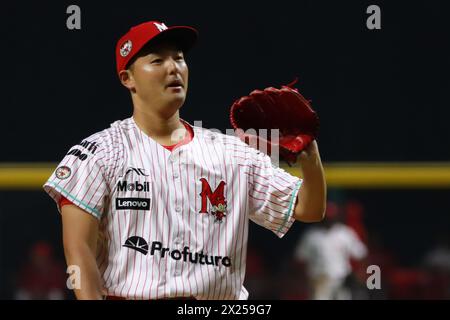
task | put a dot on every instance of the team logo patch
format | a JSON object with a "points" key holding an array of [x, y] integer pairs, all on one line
{"points": [[63, 172], [216, 198], [125, 49], [138, 244], [132, 204]]}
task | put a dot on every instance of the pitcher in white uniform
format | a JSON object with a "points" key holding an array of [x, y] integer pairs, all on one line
{"points": [[155, 208]]}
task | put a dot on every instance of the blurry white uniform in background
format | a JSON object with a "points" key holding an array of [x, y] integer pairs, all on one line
{"points": [[326, 253]]}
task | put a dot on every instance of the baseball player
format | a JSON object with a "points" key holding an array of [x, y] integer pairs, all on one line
{"points": [[155, 208], [326, 252]]}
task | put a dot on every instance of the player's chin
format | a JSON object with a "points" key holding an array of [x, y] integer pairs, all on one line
{"points": [[176, 99]]}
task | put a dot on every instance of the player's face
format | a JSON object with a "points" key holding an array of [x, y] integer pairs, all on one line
{"points": [[160, 76]]}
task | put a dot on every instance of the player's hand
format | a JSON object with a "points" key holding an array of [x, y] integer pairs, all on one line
{"points": [[311, 153]]}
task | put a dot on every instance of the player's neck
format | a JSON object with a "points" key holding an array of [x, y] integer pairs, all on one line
{"points": [[160, 128]]}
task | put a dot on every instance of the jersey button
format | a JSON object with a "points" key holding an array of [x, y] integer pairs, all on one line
{"points": [[178, 209], [175, 175]]}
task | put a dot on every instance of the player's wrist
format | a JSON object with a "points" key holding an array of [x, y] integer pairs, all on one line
{"points": [[309, 159]]}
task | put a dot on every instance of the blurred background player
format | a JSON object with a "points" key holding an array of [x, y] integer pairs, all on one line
{"points": [[326, 251]]}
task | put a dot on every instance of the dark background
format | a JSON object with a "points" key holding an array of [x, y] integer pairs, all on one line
{"points": [[381, 95]]}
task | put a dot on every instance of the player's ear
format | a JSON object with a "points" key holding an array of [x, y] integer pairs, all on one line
{"points": [[127, 79]]}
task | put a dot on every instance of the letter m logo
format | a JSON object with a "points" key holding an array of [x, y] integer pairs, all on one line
{"points": [[161, 26], [215, 198]]}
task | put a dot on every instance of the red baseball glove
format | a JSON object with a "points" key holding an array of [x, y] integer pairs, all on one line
{"points": [[284, 109]]}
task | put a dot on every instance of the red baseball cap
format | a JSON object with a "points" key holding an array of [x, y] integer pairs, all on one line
{"points": [[138, 36]]}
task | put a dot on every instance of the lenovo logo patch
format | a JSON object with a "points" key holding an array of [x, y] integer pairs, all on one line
{"points": [[132, 204]]}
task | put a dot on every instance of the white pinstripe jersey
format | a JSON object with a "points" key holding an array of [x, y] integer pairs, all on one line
{"points": [[174, 224]]}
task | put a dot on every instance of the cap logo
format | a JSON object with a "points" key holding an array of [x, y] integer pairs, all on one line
{"points": [[126, 48], [161, 26]]}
